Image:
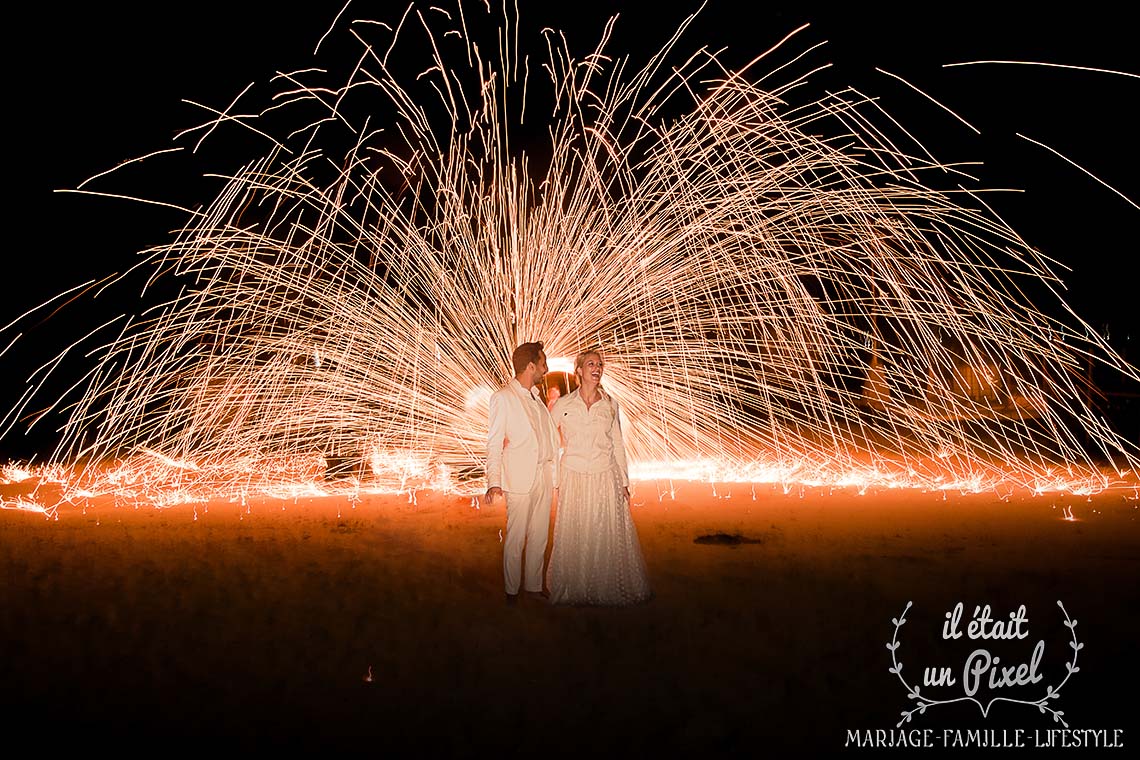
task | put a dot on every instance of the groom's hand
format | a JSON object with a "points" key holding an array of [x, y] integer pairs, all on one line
{"points": [[493, 493]]}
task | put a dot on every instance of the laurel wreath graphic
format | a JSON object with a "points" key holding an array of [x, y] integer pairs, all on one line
{"points": [[922, 702]]}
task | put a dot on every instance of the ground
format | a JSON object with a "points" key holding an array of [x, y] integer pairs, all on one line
{"points": [[335, 625]]}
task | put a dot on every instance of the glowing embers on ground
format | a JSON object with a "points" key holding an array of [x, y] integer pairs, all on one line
{"points": [[781, 289], [158, 483]]}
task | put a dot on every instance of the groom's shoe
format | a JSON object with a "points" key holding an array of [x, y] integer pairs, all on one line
{"points": [[512, 600], [543, 595]]}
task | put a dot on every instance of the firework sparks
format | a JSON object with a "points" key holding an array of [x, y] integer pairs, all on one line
{"points": [[782, 292]]}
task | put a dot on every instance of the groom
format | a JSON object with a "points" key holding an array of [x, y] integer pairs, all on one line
{"points": [[521, 448]]}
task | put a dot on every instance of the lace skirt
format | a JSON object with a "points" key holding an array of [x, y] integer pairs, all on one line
{"points": [[596, 557]]}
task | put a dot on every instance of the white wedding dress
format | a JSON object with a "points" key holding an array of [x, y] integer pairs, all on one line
{"points": [[596, 558]]}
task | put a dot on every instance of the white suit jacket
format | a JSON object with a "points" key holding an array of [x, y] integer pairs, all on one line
{"points": [[512, 443]]}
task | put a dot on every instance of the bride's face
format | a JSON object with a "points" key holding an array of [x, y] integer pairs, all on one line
{"points": [[590, 373]]}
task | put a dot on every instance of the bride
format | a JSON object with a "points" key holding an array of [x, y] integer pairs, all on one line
{"points": [[596, 557]]}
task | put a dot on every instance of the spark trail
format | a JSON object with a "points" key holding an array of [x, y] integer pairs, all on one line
{"points": [[783, 289]]}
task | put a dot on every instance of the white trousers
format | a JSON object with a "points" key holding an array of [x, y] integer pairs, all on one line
{"points": [[528, 524]]}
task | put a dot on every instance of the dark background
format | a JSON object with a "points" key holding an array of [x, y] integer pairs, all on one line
{"points": [[94, 85]]}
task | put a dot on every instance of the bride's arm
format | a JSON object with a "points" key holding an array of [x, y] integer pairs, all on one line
{"points": [[619, 448]]}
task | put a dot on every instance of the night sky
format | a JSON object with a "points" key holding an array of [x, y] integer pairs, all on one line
{"points": [[103, 83]]}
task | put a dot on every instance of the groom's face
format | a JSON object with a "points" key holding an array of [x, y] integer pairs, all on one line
{"points": [[540, 368]]}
